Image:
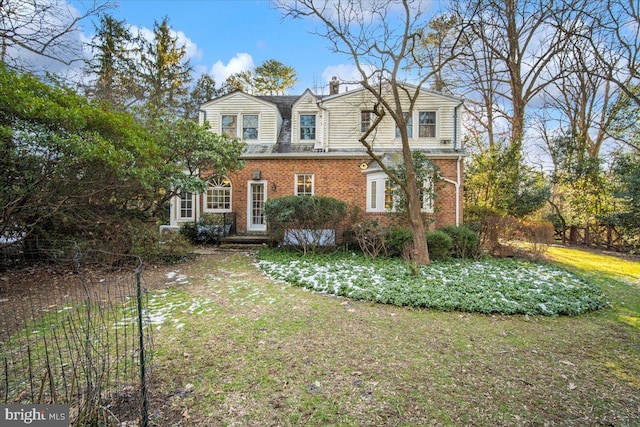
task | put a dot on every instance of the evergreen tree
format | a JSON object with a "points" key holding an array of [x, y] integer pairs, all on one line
{"points": [[164, 72], [113, 46], [273, 78], [269, 78], [203, 91]]}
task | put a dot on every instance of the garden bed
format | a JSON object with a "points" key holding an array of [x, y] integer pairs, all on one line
{"points": [[485, 286]]}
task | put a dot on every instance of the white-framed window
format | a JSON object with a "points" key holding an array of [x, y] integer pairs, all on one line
{"points": [[409, 126], [304, 184], [427, 193], [186, 205], [217, 197], [388, 195], [365, 121], [380, 194], [250, 126], [230, 125], [372, 197], [426, 124], [307, 127]]}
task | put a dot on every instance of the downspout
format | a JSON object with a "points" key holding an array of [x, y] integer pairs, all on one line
{"points": [[455, 127], [458, 165], [457, 185], [458, 180], [325, 126]]}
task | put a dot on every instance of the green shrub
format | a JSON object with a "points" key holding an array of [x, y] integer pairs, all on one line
{"points": [[397, 240], [151, 246], [465, 241], [439, 244], [306, 217], [208, 229], [189, 230]]}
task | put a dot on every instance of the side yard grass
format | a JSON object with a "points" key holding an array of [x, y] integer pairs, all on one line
{"points": [[233, 347], [617, 276]]}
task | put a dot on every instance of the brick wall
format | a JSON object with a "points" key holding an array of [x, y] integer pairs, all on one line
{"points": [[338, 178]]}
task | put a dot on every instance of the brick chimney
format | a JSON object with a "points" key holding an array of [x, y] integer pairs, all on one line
{"points": [[334, 86]]}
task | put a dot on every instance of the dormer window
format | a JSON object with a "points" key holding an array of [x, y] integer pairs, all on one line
{"points": [[308, 127], [230, 125], [250, 126]]}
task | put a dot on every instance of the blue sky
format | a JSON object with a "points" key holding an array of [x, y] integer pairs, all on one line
{"points": [[226, 36]]}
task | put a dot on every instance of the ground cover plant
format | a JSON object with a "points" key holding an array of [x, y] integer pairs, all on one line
{"points": [[233, 347], [483, 286]]}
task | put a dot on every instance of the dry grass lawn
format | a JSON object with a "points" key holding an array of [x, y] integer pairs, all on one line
{"points": [[233, 348]]}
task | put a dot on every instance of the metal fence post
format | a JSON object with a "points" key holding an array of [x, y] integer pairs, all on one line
{"points": [[143, 371]]}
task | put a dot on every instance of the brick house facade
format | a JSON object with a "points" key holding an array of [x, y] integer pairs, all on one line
{"points": [[308, 144]]}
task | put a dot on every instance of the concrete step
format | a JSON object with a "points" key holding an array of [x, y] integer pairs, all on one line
{"points": [[248, 239]]}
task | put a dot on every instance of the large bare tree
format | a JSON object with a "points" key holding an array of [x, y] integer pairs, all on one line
{"points": [[511, 46], [43, 29], [382, 39], [611, 33]]}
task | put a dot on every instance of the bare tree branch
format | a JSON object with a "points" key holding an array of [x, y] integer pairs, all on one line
{"points": [[43, 28]]}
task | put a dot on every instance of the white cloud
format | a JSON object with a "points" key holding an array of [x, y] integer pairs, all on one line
{"points": [[36, 26], [191, 48], [240, 62], [347, 74]]}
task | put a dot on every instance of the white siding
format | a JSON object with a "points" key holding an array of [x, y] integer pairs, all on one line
{"points": [[344, 128], [307, 104], [240, 103]]}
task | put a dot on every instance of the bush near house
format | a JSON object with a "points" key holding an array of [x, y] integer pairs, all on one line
{"points": [[304, 222], [208, 229], [440, 244], [444, 243], [465, 242]]}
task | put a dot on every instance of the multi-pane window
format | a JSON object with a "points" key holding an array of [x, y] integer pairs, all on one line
{"points": [[427, 124], [381, 192], [365, 121], [250, 126], [304, 184], [230, 125], [258, 198], [218, 195], [426, 195], [307, 126], [186, 204], [409, 126], [388, 194]]}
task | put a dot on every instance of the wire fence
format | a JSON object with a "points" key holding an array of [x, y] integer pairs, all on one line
{"points": [[74, 331]]}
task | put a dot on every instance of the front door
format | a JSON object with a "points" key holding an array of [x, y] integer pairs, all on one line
{"points": [[255, 208]]}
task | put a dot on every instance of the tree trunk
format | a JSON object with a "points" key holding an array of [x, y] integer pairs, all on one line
{"points": [[420, 253], [420, 250], [573, 235]]}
